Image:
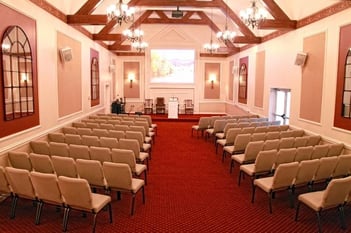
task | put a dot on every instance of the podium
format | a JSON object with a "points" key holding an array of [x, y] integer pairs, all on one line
{"points": [[173, 108]]}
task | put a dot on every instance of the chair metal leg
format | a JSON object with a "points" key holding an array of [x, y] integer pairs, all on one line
{"points": [[342, 217], [145, 177], [13, 207], [216, 148], [291, 194], [253, 193], [319, 221], [297, 211], [231, 167], [118, 195], [38, 212], [133, 203], [239, 176], [65, 218], [223, 155], [94, 222], [143, 193], [270, 197]]}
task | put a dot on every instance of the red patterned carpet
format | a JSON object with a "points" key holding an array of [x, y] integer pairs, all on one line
{"points": [[189, 190]]}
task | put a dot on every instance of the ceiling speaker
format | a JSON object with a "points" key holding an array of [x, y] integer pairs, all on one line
{"points": [[66, 54], [300, 59]]}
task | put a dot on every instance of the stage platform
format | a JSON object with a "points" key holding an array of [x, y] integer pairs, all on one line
{"points": [[181, 117]]}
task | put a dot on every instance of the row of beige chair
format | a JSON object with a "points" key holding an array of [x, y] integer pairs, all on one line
{"points": [[227, 138], [105, 138], [289, 176], [66, 192], [208, 122], [286, 155], [123, 116], [84, 151], [66, 166], [284, 139]]}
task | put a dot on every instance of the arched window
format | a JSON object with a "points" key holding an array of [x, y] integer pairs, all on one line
{"points": [[17, 74], [95, 80], [346, 103]]}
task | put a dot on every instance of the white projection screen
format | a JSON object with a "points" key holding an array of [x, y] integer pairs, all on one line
{"points": [[172, 66]]}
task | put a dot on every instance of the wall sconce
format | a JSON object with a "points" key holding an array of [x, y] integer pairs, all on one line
{"points": [[131, 78], [24, 78], [5, 47], [212, 79]]}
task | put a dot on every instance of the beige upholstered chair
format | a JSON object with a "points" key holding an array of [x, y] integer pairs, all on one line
{"points": [[117, 134], [107, 126], [298, 133], [229, 140], [91, 170], [148, 130], [218, 127], [286, 134], [100, 132], [313, 140], [90, 140], [144, 147], [282, 180], [249, 130], [286, 155], [83, 131], [343, 166], [92, 125], [325, 170], [79, 152], [128, 157], [263, 166], [303, 153], [56, 137], [305, 173], [249, 156], [261, 129], [273, 127], [148, 106], [59, 149], [141, 129], [4, 184], [40, 147], [228, 125], [41, 163], [271, 144], [102, 154], [79, 125], [258, 137], [239, 146], [272, 135], [47, 191], [109, 142], [201, 126], [69, 130], [133, 144], [286, 143], [73, 139], [64, 166], [149, 120], [121, 127], [320, 151], [21, 187], [119, 178], [300, 141], [333, 196], [335, 149], [19, 160], [77, 195], [128, 123]]}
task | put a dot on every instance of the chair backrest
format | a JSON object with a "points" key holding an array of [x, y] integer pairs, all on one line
{"points": [[56, 137], [102, 154], [79, 151], [320, 151], [46, 187], [300, 141], [261, 129], [188, 103], [59, 149], [64, 166], [241, 142], [306, 171], [313, 140], [303, 153], [92, 125], [124, 156], [4, 184], [117, 134], [124, 127], [271, 144], [20, 182], [249, 130], [258, 136], [107, 126], [90, 140], [336, 192], [73, 139], [204, 122], [91, 170], [286, 143], [285, 155], [70, 130], [335, 149], [160, 101], [79, 124], [272, 135], [273, 128], [326, 168], [284, 127], [298, 132], [286, 134], [41, 163], [252, 149], [219, 126], [109, 142], [40, 147], [343, 166], [118, 175], [284, 175], [76, 192], [19, 160], [84, 131], [100, 132], [232, 134], [130, 144], [135, 135], [265, 160]]}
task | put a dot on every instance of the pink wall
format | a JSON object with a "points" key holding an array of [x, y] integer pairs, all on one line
{"points": [[69, 77], [259, 79], [312, 78], [131, 90], [231, 80], [212, 70]]}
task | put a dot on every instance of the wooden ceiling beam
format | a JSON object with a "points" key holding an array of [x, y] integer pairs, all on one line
{"points": [[119, 47], [87, 19], [89, 7], [273, 9], [277, 24], [247, 40], [108, 37]]}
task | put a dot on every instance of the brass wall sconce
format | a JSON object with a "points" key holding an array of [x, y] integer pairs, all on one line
{"points": [[212, 80], [131, 78]]}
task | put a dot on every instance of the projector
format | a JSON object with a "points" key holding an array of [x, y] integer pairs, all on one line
{"points": [[177, 14]]}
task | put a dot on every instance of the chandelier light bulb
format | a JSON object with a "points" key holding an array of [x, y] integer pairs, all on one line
{"points": [[120, 12], [253, 15], [140, 46]]}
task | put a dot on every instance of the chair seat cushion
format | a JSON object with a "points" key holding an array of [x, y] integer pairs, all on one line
{"points": [[220, 135], [137, 184], [139, 168], [99, 201], [264, 183], [312, 199], [248, 169]]}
